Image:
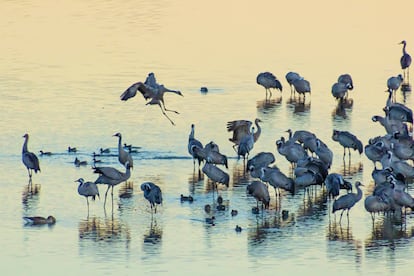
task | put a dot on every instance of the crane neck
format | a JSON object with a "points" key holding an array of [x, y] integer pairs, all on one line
{"points": [[26, 139], [258, 131], [404, 52], [119, 143], [359, 193], [191, 136]]}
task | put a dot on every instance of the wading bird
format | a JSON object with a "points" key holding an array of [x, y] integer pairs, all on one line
{"points": [[87, 189], [348, 141], [241, 128], [123, 155], [268, 80], [150, 89], [29, 159], [153, 194], [346, 202], [405, 61], [193, 142], [111, 177]]}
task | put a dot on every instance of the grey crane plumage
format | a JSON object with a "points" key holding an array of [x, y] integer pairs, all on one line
{"points": [[292, 151], [260, 160], [375, 151], [347, 201], [398, 111], [260, 192], [111, 177], [216, 174], [87, 189], [302, 86], [340, 90], [246, 145], [241, 128], [393, 84], [376, 204], [290, 78], [123, 155], [405, 60], [334, 182], [346, 79], [151, 91], [29, 159], [268, 81], [153, 194], [391, 126], [348, 141], [193, 142], [277, 179]]}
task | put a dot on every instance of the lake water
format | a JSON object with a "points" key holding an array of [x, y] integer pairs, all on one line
{"points": [[62, 69]]}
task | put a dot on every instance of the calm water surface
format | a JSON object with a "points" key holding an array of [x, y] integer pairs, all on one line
{"points": [[63, 67]]}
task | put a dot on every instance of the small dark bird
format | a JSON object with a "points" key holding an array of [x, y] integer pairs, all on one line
{"points": [[70, 149], [238, 229], [45, 152], [234, 212], [186, 198], [153, 194], [39, 220]]}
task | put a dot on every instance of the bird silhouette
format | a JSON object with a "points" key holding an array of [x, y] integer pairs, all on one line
{"points": [[87, 189], [347, 201], [268, 81], [111, 177], [405, 61], [151, 91], [29, 159], [123, 155], [153, 194]]}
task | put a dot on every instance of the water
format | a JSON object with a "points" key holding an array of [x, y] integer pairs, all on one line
{"points": [[63, 68]]}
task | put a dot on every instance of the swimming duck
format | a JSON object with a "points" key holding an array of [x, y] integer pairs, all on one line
{"points": [[40, 220]]}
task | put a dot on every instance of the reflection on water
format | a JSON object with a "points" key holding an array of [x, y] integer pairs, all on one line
{"points": [[30, 195], [104, 229], [342, 107], [299, 104], [268, 106], [153, 234], [388, 230]]}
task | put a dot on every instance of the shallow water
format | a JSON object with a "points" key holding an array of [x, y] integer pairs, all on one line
{"points": [[63, 68]]}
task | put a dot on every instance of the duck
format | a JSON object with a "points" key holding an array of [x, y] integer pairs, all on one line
{"points": [[186, 198], [39, 220], [238, 228]]}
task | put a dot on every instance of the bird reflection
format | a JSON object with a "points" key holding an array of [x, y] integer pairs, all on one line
{"points": [[266, 106], [154, 233], [336, 231], [341, 108], [349, 169], [239, 175], [126, 190], [30, 194], [386, 230], [108, 229], [299, 105], [314, 202]]}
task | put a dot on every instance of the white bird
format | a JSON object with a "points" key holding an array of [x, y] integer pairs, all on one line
{"points": [[29, 159], [151, 90]]}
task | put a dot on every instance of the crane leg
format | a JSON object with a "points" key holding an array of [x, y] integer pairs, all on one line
{"points": [[163, 104], [162, 110], [106, 193]]}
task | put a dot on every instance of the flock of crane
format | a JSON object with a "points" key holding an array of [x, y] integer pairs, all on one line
{"points": [[308, 155]]}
